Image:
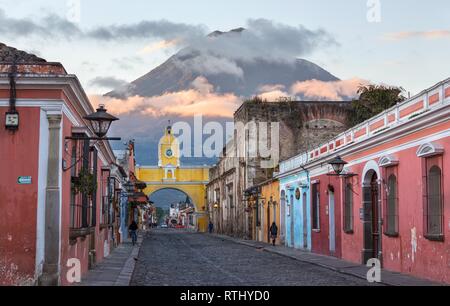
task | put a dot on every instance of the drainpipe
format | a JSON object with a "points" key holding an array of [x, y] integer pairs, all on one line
{"points": [[12, 88]]}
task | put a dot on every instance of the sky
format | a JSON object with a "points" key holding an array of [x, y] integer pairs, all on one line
{"points": [[400, 49], [109, 42]]}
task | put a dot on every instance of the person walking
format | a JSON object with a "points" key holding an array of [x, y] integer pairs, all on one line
{"points": [[133, 231], [273, 230], [210, 227]]}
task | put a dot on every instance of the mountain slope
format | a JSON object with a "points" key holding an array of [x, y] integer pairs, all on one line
{"points": [[243, 78]]}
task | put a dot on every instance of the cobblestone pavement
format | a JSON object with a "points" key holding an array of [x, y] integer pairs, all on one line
{"points": [[179, 258]]}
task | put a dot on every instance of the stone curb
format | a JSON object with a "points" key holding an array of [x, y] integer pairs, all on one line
{"points": [[329, 267], [126, 274]]}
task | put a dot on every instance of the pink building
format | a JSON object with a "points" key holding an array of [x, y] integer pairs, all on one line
{"points": [[49, 213], [393, 199]]}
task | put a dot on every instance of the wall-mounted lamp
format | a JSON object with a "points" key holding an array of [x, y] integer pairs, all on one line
{"points": [[338, 164], [100, 122]]}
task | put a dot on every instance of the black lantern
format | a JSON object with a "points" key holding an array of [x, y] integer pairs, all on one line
{"points": [[338, 164], [129, 186], [101, 121]]}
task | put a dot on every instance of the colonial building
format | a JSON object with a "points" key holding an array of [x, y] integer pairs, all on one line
{"points": [[301, 125], [391, 200], [57, 187], [170, 174]]}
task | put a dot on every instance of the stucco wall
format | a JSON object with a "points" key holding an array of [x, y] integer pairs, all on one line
{"points": [[18, 203]]}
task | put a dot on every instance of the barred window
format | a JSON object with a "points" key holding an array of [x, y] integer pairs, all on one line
{"points": [[82, 206], [348, 208], [391, 200], [434, 202]]}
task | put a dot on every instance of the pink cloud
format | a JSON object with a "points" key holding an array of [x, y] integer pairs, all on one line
{"points": [[272, 92], [435, 34], [201, 99], [335, 90]]}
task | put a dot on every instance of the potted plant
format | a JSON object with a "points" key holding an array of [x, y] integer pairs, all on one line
{"points": [[84, 183]]}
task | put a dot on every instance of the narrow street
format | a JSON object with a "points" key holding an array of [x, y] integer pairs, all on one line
{"points": [[179, 258]]}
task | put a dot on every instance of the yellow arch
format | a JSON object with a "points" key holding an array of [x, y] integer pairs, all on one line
{"points": [[191, 181]]}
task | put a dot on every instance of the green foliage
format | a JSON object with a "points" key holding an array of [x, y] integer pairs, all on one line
{"points": [[160, 213], [84, 183], [373, 100], [256, 99]]}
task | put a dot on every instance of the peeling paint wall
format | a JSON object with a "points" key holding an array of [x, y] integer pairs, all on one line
{"points": [[18, 203]]}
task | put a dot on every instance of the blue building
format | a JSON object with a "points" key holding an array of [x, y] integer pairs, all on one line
{"points": [[295, 203]]}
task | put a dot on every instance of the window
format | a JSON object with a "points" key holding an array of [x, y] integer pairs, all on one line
{"points": [[315, 207], [80, 203], [348, 208], [433, 197], [391, 208], [434, 202]]}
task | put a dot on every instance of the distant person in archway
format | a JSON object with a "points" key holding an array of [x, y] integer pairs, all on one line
{"points": [[210, 227], [273, 232]]}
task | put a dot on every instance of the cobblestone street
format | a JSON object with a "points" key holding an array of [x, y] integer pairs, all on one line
{"points": [[180, 258]]}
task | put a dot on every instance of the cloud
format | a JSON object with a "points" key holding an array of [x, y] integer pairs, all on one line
{"points": [[159, 45], [273, 92], [53, 26], [434, 34], [264, 39], [313, 90], [334, 91], [209, 64], [107, 82], [50, 26], [261, 38], [121, 87], [127, 62], [201, 99]]}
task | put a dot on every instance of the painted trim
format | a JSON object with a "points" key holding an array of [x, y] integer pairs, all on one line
{"points": [[429, 149], [388, 161], [177, 183], [370, 165], [42, 184], [46, 105]]}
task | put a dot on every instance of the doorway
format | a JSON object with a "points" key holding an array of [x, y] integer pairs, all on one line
{"points": [[372, 217], [305, 221], [332, 226], [292, 210], [282, 215]]}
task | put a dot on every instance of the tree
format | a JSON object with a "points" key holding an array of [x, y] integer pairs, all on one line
{"points": [[373, 100], [159, 214]]}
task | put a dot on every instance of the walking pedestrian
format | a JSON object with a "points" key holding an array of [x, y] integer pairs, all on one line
{"points": [[133, 231], [210, 227], [273, 230]]}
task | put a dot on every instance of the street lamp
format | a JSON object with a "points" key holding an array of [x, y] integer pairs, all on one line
{"points": [[101, 121], [129, 187], [338, 164]]}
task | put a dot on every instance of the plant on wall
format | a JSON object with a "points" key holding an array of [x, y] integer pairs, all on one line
{"points": [[84, 183]]}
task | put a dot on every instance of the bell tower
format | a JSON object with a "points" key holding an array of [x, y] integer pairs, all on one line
{"points": [[169, 153]]}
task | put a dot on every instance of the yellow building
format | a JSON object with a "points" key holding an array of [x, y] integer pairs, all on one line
{"points": [[169, 174], [266, 211]]}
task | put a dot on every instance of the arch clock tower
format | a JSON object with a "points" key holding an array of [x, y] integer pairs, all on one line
{"points": [[170, 174], [169, 154]]}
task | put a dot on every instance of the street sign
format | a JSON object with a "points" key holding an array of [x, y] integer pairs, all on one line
{"points": [[24, 180]]}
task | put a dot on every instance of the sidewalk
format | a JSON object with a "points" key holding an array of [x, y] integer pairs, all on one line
{"points": [[116, 269], [387, 277]]}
